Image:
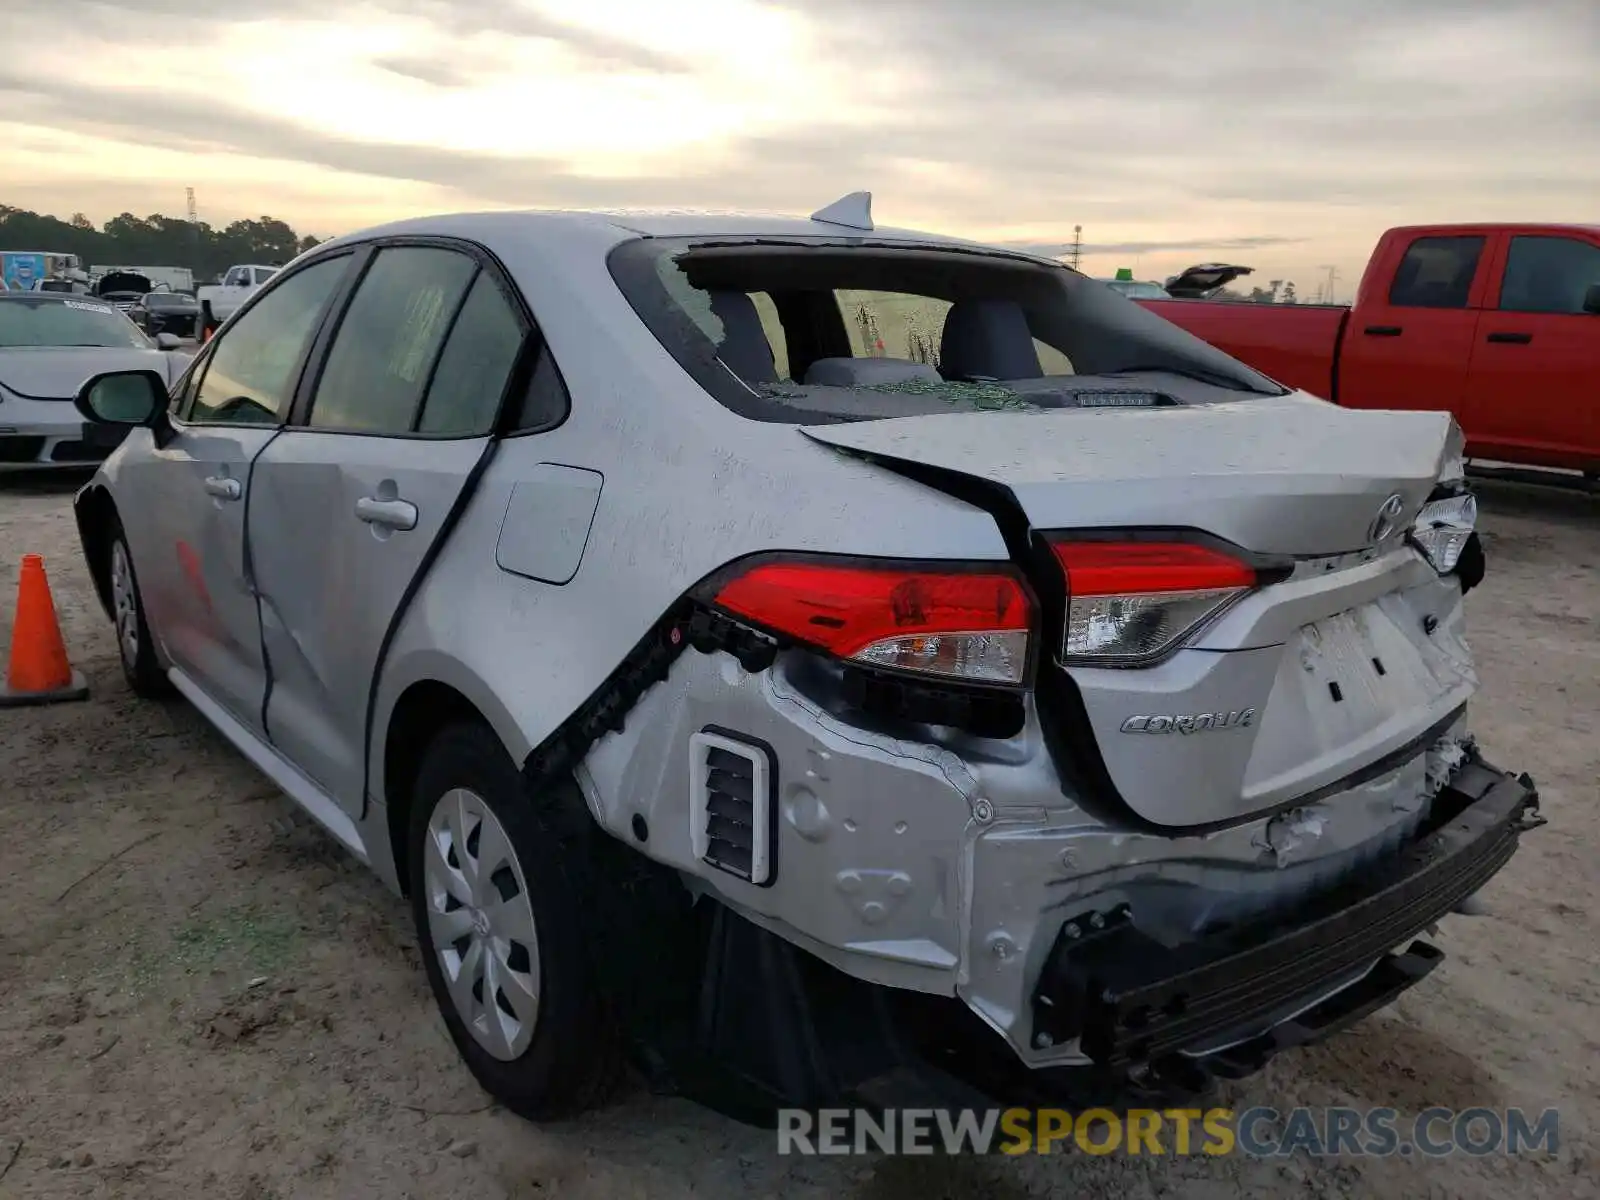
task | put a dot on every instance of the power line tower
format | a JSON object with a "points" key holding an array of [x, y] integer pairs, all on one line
{"points": [[193, 214], [1333, 277], [1077, 246]]}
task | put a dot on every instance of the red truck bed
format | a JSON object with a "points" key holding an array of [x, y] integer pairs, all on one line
{"points": [[1296, 344], [1497, 324]]}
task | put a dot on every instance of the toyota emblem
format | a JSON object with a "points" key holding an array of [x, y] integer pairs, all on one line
{"points": [[1384, 523]]}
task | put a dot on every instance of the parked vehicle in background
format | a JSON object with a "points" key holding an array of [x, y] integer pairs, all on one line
{"points": [[124, 289], [1205, 281], [50, 343], [71, 287], [21, 269], [1081, 710], [1137, 289], [1496, 324], [167, 312], [172, 279], [1202, 282], [219, 301]]}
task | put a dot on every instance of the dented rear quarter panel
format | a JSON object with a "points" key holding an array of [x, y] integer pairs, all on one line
{"points": [[688, 487]]}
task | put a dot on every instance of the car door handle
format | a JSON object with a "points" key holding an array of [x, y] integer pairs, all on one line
{"points": [[223, 487], [392, 514], [1514, 339], [1382, 331]]}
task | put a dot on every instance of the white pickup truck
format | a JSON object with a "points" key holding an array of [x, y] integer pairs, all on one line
{"points": [[219, 301]]}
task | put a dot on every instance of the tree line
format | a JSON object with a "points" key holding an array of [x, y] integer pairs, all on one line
{"points": [[155, 240]]}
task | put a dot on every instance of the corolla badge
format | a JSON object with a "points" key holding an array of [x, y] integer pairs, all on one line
{"points": [[1239, 718], [1387, 519]]}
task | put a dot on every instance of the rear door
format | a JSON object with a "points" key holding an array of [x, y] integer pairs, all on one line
{"points": [[1409, 347], [184, 500], [1533, 390], [348, 500]]}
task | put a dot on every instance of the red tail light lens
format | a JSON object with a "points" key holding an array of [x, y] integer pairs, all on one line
{"points": [[1129, 603], [967, 625]]}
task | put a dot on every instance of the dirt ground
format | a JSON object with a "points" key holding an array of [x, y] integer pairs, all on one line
{"points": [[200, 994]]}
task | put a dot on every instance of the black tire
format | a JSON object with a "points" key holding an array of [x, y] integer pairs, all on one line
{"points": [[140, 666], [574, 1060]]}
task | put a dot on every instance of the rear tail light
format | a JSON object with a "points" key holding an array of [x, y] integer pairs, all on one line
{"points": [[1130, 603], [1442, 529], [954, 623]]}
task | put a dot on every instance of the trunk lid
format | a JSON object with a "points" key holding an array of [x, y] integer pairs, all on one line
{"points": [[1200, 282], [1285, 677]]}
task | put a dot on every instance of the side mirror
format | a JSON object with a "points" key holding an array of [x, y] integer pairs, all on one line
{"points": [[1591, 299], [122, 398], [168, 341]]}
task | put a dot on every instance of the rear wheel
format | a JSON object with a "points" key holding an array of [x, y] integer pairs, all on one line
{"points": [[135, 648], [495, 902]]}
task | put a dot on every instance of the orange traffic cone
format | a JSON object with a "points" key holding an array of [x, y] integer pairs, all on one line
{"points": [[39, 672]]}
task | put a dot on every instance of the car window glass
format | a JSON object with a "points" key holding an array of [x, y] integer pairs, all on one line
{"points": [[1051, 360], [893, 324], [251, 375], [544, 404], [388, 339], [772, 325], [1549, 275], [1437, 272], [42, 319], [478, 356]]}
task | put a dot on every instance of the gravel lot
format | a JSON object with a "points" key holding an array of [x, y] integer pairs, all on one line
{"points": [[201, 995]]}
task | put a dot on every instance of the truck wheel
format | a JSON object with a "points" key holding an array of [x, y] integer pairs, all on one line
{"points": [[208, 323], [495, 902]]}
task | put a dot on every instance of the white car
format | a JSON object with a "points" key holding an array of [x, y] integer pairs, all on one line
{"points": [[50, 342], [1080, 713]]}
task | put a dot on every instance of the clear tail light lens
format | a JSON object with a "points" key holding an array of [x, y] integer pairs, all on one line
{"points": [[972, 625], [1131, 603], [1442, 528]]}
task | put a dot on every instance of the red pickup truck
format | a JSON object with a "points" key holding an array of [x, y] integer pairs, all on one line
{"points": [[1497, 324]]}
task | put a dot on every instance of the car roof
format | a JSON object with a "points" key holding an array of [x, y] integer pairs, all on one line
{"points": [[618, 225]]}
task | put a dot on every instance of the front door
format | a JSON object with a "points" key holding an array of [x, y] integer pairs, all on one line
{"points": [[186, 500], [347, 501], [1409, 348], [1533, 391]]}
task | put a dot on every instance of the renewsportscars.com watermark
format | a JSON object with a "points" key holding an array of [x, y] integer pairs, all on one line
{"points": [[1253, 1132]]}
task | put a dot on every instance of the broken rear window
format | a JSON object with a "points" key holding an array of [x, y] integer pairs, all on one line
{"points": [[813, 330]]}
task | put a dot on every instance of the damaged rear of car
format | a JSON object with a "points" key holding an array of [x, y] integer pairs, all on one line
{"points": [[1174, 786], [837, 664]]}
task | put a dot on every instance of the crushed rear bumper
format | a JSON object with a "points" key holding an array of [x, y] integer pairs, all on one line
{"points": [[1230, 1000], [773, 1026]]}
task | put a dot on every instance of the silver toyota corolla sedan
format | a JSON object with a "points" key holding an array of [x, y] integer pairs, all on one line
{"points": [[50, 342], [813, 661]]}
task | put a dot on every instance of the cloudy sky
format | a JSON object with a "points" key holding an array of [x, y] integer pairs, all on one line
{"points": [[1284, 134]]}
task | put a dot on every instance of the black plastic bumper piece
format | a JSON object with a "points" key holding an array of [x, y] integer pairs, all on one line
{"points": [[1132, 1001]]}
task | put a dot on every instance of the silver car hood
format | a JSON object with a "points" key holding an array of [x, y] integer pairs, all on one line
{"points": [[1286, 475], [56, 373]]}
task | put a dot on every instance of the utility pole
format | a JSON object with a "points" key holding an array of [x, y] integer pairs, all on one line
{"points": [[1077, 246]]}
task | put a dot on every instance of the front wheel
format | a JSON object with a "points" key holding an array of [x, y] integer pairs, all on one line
{"points": [[494, 897]]}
